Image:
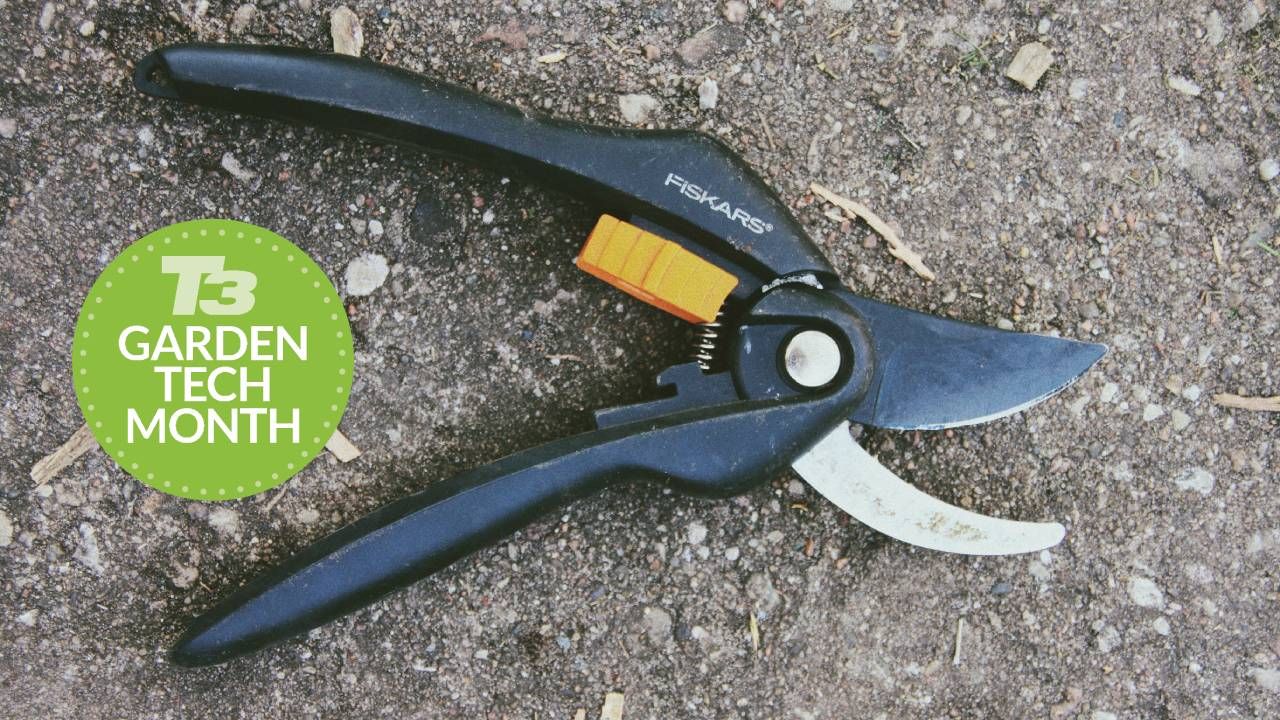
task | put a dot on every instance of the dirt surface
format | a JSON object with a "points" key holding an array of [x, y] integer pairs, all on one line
{"points": [[1111, 203]]}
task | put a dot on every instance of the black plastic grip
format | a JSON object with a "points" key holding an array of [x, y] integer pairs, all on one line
{"points": [[687, 182], [708, 451]]}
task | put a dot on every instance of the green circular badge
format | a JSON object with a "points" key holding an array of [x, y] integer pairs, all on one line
{"points": [[212, 359]]}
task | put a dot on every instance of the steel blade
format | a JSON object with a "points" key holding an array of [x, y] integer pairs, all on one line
{"points": [[936, 373], [855, 482]]}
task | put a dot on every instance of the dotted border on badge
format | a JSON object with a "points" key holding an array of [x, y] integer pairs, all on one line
{"points": [[95, 298]]}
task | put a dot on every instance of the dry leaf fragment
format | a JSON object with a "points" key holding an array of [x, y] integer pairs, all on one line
{"points": [[612, 708], [754, 628], [341, 447], [553, 57], [78, 444], [1032, 60], [897, 248], [344, 28], [1257, 404]]}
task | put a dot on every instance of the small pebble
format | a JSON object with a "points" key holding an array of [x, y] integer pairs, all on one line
{"points": [[1183, 85], [1078, 89], [243, 18], [1214, 30], [6, 529], [225, 521], [696, 533], [1267, 678], [761, 590], [1108, 639], [732, 554], [1180, 420], [636, 107], [306, 516], [375, 228], [1196, 480], [1001, 588], [1268, 169], [1161, 626], [1192, 392], [1004, 324], [8, 128], [1250, 16], [963, 113], [1032, 60], [236, 170], [1151, 411], [47, 13], [735, 11], [1109, 392], [87, 28], [87, 552], [656, 623], [1145, 593], [344, 28], [366, 274], [708, 94], [796, 488]]}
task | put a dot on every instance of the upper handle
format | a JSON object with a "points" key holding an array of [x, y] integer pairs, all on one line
{"points": [[687, 183]]}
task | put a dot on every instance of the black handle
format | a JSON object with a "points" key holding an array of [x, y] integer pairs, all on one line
{"points": [[687, 182], [711, 451]]}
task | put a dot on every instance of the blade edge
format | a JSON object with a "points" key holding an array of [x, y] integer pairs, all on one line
{"points": [[857, 483]]}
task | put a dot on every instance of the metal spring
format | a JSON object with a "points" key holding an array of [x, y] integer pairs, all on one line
{"points": [[706, 343]]}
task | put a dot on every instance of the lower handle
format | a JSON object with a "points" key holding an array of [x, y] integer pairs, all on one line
{"points": [[393, 547]]}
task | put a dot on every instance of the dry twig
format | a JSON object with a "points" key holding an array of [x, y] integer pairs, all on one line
{"points": [[53, 463], [1258, 404], [754, 627], [897, 248]]}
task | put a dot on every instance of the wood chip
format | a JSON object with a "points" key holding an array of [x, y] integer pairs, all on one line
{"points": [[612, 708], [341, 447], [1258, 404], [78, 444], [897, 248], [344, 28], [754, 628], [553, 57], [1032, 60]]}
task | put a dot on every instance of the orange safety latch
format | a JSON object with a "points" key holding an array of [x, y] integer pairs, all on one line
{"points": [[654, 270]]}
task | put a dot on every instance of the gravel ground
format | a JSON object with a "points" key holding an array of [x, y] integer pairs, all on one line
{"points": [[1122, 201]]}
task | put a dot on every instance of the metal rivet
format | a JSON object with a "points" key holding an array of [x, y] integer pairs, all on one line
{"points": [[812, 358]]}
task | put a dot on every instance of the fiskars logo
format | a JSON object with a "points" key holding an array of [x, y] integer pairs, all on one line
{"points": [[716, 204]]}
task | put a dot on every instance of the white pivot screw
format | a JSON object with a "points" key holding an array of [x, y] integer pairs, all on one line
{"points": [[812, 358]]}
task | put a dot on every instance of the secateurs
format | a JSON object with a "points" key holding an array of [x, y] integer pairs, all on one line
{"points": [[788, 357]]}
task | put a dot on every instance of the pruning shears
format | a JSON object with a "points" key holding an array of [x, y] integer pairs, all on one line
{"points": [[786, 357]]}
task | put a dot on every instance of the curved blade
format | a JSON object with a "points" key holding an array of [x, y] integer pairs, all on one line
{"points": [[935, 373], [855, 482]]}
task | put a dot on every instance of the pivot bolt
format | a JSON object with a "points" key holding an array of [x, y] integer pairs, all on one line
{"points": [[812, 358]]}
